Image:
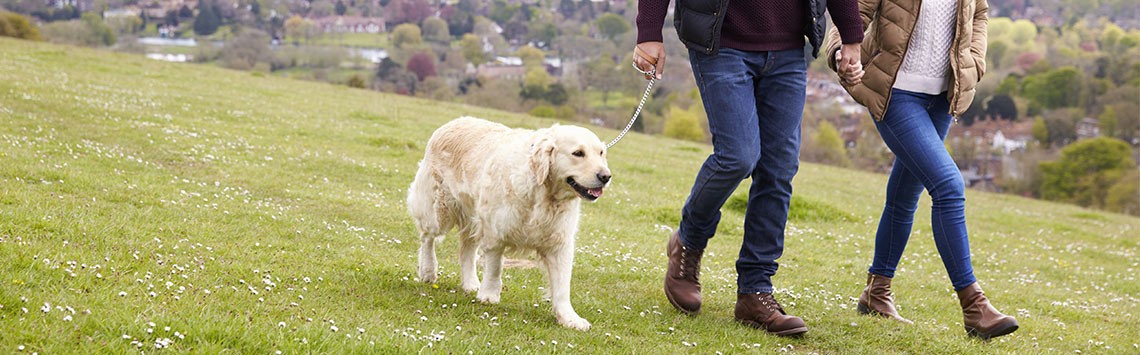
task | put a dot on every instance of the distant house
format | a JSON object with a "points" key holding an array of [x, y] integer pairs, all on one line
{"points": [[1088, 127], [350, 24], [512, 68]]}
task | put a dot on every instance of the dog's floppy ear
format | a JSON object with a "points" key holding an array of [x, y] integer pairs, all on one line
{"points": [[541, 156]]}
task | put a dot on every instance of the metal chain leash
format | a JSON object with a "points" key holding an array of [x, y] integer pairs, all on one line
{"points": [[651, 74]]}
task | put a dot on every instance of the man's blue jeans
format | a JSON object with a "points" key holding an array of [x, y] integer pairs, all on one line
{"points": [[754, 102], [914, 128]]}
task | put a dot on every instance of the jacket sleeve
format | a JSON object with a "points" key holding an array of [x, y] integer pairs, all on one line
{"points": [[867, 11], [650, 20], [979, 42]]}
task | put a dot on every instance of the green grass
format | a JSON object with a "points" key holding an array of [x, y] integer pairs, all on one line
{"points": [[254, 213]]}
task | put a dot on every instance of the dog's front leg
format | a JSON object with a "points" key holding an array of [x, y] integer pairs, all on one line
{"points": [[492, 286], [559, 266], [427, 263]]}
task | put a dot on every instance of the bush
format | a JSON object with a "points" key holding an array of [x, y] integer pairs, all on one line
{"points": [[247, 50], [1124, 196], [356, 81], [546, 111], [17, 26], [685, 124], [1086, 171], [73, 32]]}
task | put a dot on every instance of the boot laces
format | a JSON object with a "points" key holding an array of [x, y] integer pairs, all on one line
{"points": [[690, 265], [769, 301]]}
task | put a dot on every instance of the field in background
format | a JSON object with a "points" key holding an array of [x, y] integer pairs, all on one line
{"points": [[154, 205]]}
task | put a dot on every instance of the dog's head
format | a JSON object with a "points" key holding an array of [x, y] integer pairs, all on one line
{"points": [[573, 158]]}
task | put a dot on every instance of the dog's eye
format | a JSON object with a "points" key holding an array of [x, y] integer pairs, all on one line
{"points": [[579, 153]]}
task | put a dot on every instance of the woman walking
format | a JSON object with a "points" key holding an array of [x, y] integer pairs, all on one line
{"points": [[923, 59]]}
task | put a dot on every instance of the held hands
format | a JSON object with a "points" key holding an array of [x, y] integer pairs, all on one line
{"points": [[650, 57], [848, 64]]}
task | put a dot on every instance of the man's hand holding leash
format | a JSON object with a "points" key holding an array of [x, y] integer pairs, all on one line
{"points": [[649, 58]]}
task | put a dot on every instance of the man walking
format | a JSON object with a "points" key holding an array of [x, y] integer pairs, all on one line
{"points": [[748, 61]]}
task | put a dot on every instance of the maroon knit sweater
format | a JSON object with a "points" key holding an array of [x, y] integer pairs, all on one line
{"points": [[758, 25]]}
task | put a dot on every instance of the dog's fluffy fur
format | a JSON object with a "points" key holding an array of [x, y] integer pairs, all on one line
{"points": [[506, 188]]}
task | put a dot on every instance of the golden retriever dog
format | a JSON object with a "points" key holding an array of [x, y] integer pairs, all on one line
{"points": [[507, 189]]}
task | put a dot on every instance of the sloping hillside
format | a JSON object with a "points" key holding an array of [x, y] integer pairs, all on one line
{"points": [[152, 205]]}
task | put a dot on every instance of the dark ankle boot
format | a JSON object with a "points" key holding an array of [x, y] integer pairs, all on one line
{"points": [[877, 299], [761, 311], [980, 318], [682, 285]]}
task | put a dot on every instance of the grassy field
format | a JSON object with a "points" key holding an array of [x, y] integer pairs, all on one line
{"points": [[189, 208]]}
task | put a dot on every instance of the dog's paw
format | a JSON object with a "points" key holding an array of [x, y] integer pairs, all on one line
{"points": [[427, 275], [576, 323], [470, 288], [487, 297]]}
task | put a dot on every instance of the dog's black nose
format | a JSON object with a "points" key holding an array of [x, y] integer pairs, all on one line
{"points": [[604, 177]]}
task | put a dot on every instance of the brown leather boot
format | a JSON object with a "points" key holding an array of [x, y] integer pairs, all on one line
{"points": [[682, 286], [981, 319], [761, 311], [877, 299]]}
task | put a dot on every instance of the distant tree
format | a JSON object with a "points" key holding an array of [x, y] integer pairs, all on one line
{"points": [[18, 26], [249, 48], [1086, 171], [1008, 86], [1062, 124], [531, 56], [208, 21], [1002, 106], [1023, 31], [422, 64], [542, 32], [567, 8], [604, 75], [1054, 88], [1108, 121], [473, 49], [556, 94], [185, 12], [502, 12], [460, 22], [171, 18], [827, 146], [612, 25], [435, 30], [340, 8], [996, 52], [1040, 131], [102, 32], [388, 69], [586, 10], [298, 28], [406, 35], [411, 11]]}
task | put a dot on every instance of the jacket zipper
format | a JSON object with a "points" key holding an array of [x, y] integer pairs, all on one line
{"points": [[955, 48]]}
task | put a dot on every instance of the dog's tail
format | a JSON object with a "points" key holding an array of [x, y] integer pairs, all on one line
{"points": [[421, 201]]}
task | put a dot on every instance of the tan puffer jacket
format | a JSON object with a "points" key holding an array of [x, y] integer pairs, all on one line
{"points": [[887, 25]]}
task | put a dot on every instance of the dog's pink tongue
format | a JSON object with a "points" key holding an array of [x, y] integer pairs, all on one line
{"points": [[595, 192]]}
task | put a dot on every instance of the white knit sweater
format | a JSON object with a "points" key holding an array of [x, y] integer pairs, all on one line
{"points": [[926, 66]]}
